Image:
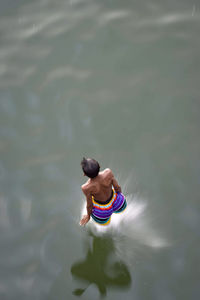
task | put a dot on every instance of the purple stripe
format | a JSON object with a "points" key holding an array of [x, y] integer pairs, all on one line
{"points": [[118, 202], [102, 214], [119, 206]]}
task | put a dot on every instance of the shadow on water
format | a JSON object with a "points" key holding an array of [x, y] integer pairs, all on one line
{"points": [[100, 268]]}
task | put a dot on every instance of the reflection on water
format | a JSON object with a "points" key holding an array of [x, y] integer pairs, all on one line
{"points": [[100, 268]]}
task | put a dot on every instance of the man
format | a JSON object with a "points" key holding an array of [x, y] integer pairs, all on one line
{"points": [[103, 193]]}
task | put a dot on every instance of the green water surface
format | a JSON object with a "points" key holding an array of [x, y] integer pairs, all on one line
{"points": [[117, 81]]}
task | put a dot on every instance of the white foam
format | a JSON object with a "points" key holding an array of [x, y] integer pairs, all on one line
{"points": [[132, 229]]}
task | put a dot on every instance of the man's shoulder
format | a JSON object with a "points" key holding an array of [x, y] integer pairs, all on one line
{"points": [[107, 172], [86, 187]]}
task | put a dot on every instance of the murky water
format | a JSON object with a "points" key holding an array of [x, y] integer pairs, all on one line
{"points": [[117, 81]]}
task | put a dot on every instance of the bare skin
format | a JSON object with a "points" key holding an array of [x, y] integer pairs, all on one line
{"points": [[100, 188]]}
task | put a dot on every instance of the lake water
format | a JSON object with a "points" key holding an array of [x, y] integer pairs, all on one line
{"points": [[118, 81]]}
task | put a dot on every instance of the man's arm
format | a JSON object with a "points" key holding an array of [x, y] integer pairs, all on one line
{"points": [[89, 207], [89, 204], [115, 184]]}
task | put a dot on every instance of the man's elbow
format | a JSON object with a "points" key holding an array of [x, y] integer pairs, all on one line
{"points": [[89, 205], [118, 189]]}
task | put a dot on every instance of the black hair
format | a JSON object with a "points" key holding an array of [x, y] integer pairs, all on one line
{"points": [[90, 167]]}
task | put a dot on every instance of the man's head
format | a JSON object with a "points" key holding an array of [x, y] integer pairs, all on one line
{"points": [[90, 167]]}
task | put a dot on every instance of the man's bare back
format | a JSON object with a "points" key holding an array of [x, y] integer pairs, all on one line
{"points": [[100, 187]]}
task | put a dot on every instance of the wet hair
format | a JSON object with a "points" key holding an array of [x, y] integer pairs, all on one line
{"points": [[90, 167]]}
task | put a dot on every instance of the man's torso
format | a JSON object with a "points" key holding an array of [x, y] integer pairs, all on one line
{"points": [[100, 187]]}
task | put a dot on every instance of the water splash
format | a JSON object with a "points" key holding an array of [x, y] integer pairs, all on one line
{"points": [[132, 230]]}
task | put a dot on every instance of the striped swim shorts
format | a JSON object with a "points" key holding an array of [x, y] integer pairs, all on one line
{"points": [[101, 212]]}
